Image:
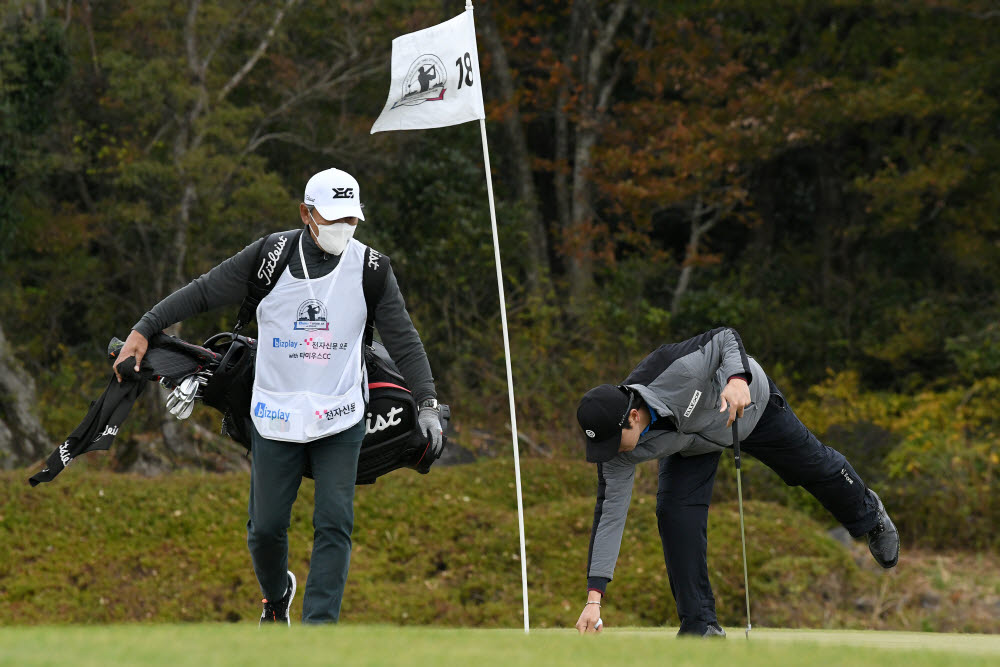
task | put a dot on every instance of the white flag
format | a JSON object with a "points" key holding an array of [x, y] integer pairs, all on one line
{"points": [[435, 78]]}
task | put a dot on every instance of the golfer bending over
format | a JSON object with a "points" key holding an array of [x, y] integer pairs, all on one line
{"points": [[677, 406]]}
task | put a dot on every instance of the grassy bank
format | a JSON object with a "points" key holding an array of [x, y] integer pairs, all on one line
{"points": [[442, 549]]}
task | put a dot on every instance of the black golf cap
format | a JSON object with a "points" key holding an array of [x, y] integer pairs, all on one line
{"points": [[601, 416]]}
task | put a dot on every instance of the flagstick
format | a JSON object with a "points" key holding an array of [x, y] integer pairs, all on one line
{"points": [[506, 355], [510, 378]]}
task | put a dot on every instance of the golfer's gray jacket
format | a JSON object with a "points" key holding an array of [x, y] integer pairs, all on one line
{"points": [[226, 285], [682, 383]]}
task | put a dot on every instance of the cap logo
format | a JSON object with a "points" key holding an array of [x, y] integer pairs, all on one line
{"points": [[591, 434], [343, 193]]}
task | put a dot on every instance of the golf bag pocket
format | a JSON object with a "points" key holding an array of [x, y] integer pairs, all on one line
{"points": [[231, 386]]}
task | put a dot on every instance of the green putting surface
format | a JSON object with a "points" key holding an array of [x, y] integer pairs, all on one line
{"points": [[243, 644], [974, 644]]}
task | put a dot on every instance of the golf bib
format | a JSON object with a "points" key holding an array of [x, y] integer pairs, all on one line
{"points": [[310, 378]]}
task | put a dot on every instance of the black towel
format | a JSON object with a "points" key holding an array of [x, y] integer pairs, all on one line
{"points": [[99, 428]]}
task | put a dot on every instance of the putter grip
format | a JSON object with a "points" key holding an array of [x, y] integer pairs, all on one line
{"points": [[736, 442]]}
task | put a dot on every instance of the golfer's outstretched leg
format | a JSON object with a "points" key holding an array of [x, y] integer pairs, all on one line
{"points": [[783, 443], [685, 490]]}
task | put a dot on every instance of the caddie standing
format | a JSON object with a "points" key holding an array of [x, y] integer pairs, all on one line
{"points": [[309, 390], [677, 406]]}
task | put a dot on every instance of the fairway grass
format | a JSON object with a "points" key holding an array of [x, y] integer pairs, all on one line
{"points": [[359, 645]]}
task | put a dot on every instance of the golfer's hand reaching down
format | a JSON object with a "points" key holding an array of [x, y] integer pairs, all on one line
{"points": [[590, 620], [735, 397]]}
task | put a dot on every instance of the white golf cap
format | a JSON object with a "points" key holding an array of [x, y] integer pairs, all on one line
{"points": [[335, 194]]}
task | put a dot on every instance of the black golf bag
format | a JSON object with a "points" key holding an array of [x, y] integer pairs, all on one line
{"points": [[392, 437], [225, 373]]}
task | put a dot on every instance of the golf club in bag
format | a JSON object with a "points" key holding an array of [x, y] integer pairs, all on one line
{"points": [[743, 537], [221, 371]]}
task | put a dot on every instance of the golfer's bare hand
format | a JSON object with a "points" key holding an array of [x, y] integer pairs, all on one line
{"points": [[588, 619], [735, 397], [135, 346]]}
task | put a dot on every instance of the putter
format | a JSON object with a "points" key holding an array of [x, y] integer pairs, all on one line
{"points": [[743, 537]]}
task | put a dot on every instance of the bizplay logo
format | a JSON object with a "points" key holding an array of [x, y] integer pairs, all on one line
{"points": [[263, 412], [382, 423], [278, 342]]}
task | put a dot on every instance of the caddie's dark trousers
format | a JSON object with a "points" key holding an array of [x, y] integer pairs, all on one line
{"points": [[783, 444], [274, 483]]}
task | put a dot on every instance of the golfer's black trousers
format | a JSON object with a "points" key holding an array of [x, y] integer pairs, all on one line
{"points": [[783, 444], [274, 483]]}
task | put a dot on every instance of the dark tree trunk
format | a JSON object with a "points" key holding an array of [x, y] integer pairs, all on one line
{"points": [[517, 147]]}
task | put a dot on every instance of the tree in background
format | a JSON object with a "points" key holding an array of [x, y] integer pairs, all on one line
{"points": [[33, 65], [820, 175]]}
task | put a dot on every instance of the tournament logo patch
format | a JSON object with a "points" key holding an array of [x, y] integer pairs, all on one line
{"points": [[425, 81], [311, 316]]}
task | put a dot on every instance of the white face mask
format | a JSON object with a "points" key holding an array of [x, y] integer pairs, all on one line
{"points": [[333, 238]]}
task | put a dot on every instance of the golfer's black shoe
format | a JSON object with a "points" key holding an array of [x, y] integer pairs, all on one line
{"points": [[277, 611], [714, 630], [883, 539]]}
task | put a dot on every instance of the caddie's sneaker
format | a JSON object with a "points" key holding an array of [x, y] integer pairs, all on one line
{"points": [[277, 611], [714, 630], [883, 539]]}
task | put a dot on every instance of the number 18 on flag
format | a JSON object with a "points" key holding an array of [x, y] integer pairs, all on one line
{"points": [[435, 78]]}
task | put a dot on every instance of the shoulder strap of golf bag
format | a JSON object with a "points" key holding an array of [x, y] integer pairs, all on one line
{"points": [[272, 258], [373, 278]]}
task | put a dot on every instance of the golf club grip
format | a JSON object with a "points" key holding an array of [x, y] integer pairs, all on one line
{"points": [[736, 441], [115, 346]]}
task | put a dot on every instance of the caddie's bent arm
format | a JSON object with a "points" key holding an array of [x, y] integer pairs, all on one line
{"points": [[223, 285]]}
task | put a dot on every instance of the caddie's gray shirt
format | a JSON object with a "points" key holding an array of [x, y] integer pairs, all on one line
{"points": [[226, 285], [682, 383]]}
